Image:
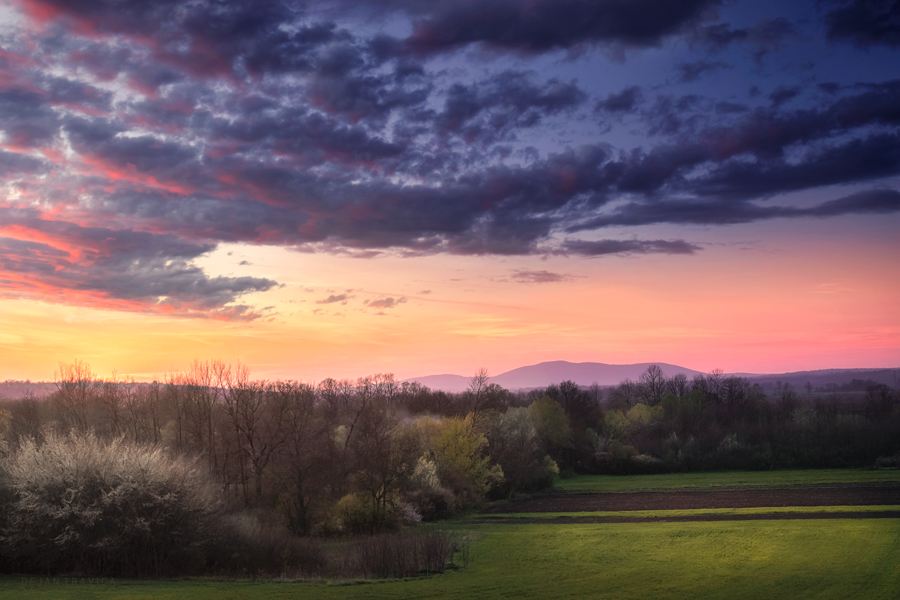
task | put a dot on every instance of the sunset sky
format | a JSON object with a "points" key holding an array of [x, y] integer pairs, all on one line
{"points": [[346, 187]]}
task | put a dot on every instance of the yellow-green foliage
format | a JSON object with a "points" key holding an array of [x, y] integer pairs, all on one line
{"points": [[619, 424], [359, 513], [551, 422], [460, 448]]}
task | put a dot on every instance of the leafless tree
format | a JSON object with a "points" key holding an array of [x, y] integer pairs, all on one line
{"points": [[677, 384], [483, 396], [75, 390], [653, 385], [304, 455], [255, 410], [714, 384]]}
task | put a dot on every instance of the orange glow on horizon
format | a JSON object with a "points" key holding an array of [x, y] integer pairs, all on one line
{"points": [[812, 308]]}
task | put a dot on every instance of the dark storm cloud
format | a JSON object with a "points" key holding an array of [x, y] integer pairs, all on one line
{"points": [[285, 123], [546, 25], [765, 134], [607, 247], [689, 72], [205, 38], [300, 133], [26, 118], [528, 276], [865, 23], [147, 154], [726, 108], [14, 165], [78, 95], [508, 101], [764, 37], [873, 157], [671, 115], [732, 212], [119, 268], [784, 94], [625, 101]]}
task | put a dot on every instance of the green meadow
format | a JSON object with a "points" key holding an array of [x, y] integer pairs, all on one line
{"points": [[696, 512], [836, 558], [728, 560]]}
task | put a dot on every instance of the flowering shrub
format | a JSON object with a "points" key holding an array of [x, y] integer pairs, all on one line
{"points": [[76, 504]]}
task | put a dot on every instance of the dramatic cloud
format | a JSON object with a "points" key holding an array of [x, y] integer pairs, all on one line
{"points": [[694, 71], [546, 25], [342, 298], [606, 247], [767, 35], [527, 276], [625, 101], [505, 103], [135, 137], [122, 270], [725, 213], [865, 23], [385, 302]]}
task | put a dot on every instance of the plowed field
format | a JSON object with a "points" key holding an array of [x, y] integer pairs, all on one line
{"points": [[749, 497], [718, 498]]}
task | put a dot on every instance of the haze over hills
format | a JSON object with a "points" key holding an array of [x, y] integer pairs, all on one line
{"points": [[584, 374], [587, 373], [546, 373]]}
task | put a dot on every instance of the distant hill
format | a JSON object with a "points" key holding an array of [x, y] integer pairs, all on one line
{"points": [[825, 377], [13, 390], [546, 373], [587, 373]]}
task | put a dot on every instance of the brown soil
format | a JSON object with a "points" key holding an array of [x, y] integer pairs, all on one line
{"points": [[747, 497]]}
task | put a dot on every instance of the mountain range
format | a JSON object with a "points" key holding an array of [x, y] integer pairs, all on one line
{"points": [[588, 373], [584, 374], [546, 373]]}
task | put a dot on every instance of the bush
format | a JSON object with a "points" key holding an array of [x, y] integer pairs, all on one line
{"points": [[888, 462], [359, 514], [398, 555], [257, 549], [81, 505]]}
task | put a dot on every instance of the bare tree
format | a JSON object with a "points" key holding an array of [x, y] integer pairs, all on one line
{"points": [[653, 385], [677, 385], [255, 410], [303, 467], [787, 399], [200, 389], [110, 393], [714, 385], [75, 389], [483, 396]]}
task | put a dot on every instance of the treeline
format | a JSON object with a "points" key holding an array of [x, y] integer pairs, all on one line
{"points": [[715, 421], [349, 457], [356, 456]]}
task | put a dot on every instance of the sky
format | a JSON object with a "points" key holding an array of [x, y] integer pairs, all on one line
{"points": [[339, 188]]}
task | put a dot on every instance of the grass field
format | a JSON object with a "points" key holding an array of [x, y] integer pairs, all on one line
{"points": [[611, 483], [840, 559], [733, 560]]}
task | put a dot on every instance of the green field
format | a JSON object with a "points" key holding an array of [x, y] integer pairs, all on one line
{"points": [[614, 483], [839, 558], [797, 559], [696, 512]]}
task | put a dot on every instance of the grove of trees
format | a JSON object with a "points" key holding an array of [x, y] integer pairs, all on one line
{"points": [[211, 458]]}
